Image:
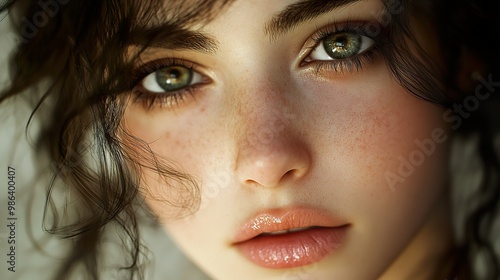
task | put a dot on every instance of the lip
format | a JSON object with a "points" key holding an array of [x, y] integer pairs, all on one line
{"points": [[319, 235]]}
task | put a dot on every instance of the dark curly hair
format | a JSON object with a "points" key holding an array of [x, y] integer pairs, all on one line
{"points": [[81, 48]]}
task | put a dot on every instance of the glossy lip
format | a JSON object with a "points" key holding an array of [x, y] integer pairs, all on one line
{"points": [[285, 219], [317, 235]]}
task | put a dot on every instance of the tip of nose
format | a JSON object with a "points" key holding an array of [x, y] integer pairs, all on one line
{"points": [[273, 165]]}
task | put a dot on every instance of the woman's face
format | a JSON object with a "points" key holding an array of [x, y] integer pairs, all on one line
{"points": [[291, 126]]}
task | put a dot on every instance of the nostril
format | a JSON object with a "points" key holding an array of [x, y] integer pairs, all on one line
{"points": [[290, 174]]}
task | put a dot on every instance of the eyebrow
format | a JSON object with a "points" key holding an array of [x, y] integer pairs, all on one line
{"points": [[299, 12], [167, 26], [175, 39]]}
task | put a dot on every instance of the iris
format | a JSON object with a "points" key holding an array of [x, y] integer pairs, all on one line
{"points": [[342, 45], [174, 77]]}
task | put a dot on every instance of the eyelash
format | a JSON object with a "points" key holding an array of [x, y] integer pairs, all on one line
{"points": [[172, 99], [350, 64]]}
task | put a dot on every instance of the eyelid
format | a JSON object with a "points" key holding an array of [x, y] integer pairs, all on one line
{"points": [[146, 68], [360, 27], [316, 53], [167, 99], [150, 81], [368, 28]]}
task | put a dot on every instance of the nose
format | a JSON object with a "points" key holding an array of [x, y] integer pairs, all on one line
{"points": [[270, 151]]}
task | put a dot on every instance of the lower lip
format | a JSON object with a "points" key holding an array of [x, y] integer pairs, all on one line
{"points": [[294, 249]]}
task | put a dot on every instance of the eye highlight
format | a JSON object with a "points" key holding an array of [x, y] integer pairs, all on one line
{"points": [[341, 46], [171, 78], [166, 83], [344, 47]]}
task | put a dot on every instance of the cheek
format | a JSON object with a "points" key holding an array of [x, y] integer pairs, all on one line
{"points": [[383, 154], [184, 143], [393, 161], [180, 137], [373, 128], [386, 156]]}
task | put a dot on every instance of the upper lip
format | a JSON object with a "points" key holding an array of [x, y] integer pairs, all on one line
{"points": [[285, 219]]}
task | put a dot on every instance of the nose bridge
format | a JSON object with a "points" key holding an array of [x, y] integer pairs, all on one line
{"points": [[268, 148], [263, 113]]}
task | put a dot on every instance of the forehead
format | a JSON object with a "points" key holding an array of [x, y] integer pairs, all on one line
{"points": [[189, 12], [176, 12]]}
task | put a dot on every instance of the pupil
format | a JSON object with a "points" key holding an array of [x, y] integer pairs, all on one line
{"points": [[174, 78], [341, 42], [174, 75]]}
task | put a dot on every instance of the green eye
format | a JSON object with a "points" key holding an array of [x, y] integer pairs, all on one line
{"points": [[341, 46], [170, 79], [174, 77], [344, 45]]}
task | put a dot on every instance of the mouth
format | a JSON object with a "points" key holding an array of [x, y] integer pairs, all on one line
{"points": [[288, 238]]}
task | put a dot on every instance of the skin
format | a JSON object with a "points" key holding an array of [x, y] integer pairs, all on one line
{"points": [[267, 132]]}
